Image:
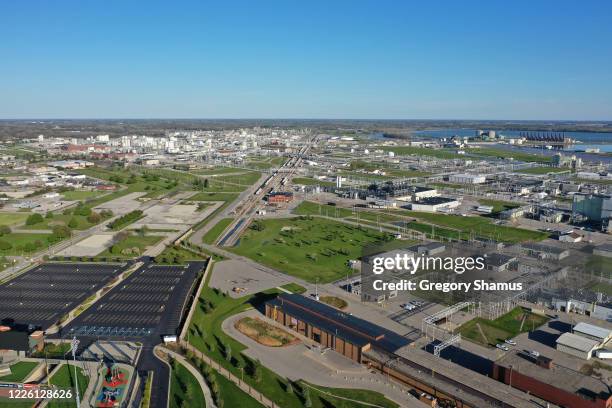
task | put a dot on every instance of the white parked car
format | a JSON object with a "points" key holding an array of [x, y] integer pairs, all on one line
{"points": [[502, 347], [534, 353], [510, 342]]}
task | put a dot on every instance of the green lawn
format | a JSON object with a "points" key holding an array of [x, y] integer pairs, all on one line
{"points": [[12, 218], [64, 378], [308, 181], [184, 387], [217, 170], [208, 336], [60, 219], [132, 241], [294, 288], [306, 248], [544, 170], [498, 206], [177, 255], [134, 180], [507, 153], [216, 230], [19, 240], [374, 216], [505, 327], [19, 371], [478, 226], [264, 162], [421, 151], [233, 396]]}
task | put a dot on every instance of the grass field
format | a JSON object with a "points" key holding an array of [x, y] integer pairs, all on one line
{"points": [[505, 327], [506, 154], [478, 226], [64, 378], [60, 219], [311, 208], [79, 195], [421, 151], [233, 396], [184, 387], [216, 230], [306, 249], [19, 371], [264, 163], [177, 255], [294, 288], [19, 240], [209, 337], [132, 241], [544, 170], [498, 206], [12, 218]]}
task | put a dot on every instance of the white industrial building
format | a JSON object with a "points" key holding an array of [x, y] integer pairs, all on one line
{"points": [[467, 178], [590, 331], [435, 204], [576, 345]]}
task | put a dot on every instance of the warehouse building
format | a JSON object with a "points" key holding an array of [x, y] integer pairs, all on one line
{"points": [[590, 331], [576, 345], [331, 328], [542, 251], [435, 204], [467, 179]]}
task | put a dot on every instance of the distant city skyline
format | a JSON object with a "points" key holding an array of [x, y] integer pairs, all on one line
{"points": [[315, 60]]}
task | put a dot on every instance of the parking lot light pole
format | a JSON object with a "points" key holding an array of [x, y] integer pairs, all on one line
{"points": [[75, 343]]}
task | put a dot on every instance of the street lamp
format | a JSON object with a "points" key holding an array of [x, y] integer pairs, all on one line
{"points": [[74, 344]]}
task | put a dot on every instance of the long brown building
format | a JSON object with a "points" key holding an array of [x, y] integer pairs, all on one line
{"points": [[339, 331]]}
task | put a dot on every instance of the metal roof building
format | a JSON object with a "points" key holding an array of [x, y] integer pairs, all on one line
{"points": [[576, 345], [339, 331], [590, 331]]}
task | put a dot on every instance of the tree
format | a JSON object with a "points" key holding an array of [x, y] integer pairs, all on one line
{"points": [[289, 387], [228, 352], [4, 230], [143, 231], [73, 223], [5, 246], [94, 217], [205, 183], [34, 219], [49, 215], [61, 231]]}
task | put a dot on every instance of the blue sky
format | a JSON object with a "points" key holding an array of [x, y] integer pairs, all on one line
{"points": [[306, 59]]}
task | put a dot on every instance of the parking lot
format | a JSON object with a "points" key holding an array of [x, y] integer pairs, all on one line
{"points": [[45, 293], [148, 303]]}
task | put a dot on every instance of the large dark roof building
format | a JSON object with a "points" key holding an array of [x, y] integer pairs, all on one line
{"points": [[330, 327]]}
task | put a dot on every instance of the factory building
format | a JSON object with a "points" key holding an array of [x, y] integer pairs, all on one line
{"points": [[594, 207], [331, 328], [467, 178], [590, 331], [576, 345], [435, 204]]}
